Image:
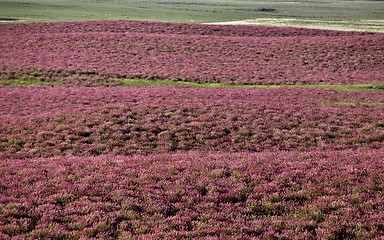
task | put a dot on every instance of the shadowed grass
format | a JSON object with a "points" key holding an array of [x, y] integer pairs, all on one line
{"points": [[27, 82]]}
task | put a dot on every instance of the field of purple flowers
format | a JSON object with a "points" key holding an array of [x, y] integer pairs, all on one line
{"points": [[200, 163], [284, 195], [86, 161], [44, 122], [197, 53]]}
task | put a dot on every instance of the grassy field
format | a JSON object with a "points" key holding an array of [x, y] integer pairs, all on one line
{"points": [[338, 15], [129, 82]]}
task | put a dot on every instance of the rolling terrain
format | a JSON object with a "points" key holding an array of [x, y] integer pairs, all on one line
{"points": [[153, 130]]}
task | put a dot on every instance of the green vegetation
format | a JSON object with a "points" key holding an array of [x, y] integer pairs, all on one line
{"points": [[348, 87], [364, 15], [353, 87], [27, 82], [129, 82], [160, 82], [358, 103]]}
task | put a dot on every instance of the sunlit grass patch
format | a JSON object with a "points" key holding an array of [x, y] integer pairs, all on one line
{"points": [[369, 25]]}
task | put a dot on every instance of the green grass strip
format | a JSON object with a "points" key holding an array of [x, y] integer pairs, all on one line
{"points": [[378, 87], [27, 82], [347, 87], [354, 103], [127, 82]]}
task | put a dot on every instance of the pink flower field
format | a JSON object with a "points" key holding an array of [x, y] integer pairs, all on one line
{"points": [[201, 163], [44, 122], [88, 159], [197, 53], [283, 195]]}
